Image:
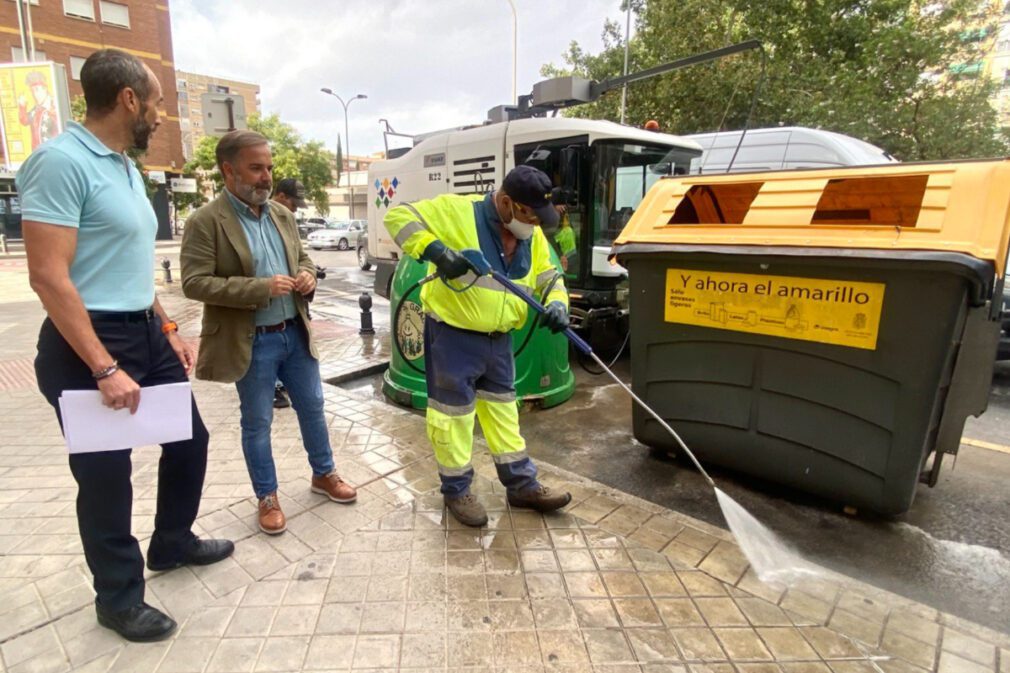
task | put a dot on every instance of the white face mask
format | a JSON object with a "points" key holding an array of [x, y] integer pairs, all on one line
{"points": [[521, 230]]}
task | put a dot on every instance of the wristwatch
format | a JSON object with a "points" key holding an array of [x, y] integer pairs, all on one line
{"points": [[170, 326]]}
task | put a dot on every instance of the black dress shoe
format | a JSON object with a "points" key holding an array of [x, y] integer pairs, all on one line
{"points": [[281, 400], [140, 623], [200, 553]]}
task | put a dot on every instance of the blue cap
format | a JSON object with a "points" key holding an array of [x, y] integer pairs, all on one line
{"points": [[530, 187]]}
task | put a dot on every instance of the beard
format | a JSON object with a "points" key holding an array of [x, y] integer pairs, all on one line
{"points": [[142, 132], [256, 194]]}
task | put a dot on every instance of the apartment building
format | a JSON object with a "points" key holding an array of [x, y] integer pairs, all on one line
{"points": [[68, 31], [191, 86]]}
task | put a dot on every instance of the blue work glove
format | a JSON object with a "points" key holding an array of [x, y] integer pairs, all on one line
{"points": [[477, 261], [450, 264], [556, 317]]}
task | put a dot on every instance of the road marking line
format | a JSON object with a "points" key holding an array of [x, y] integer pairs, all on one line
{"points": [[986, 445]]}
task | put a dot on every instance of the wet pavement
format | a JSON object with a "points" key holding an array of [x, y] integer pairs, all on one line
{"points": [[951, 551]]}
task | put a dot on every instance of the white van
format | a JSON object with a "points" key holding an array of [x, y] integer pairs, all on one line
{"points": [[783, 148]]}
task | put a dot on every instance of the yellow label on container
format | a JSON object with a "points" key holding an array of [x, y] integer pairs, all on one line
{"points": [[840, 312]]}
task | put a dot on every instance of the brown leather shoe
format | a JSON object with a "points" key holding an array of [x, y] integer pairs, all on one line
{"points": [[539, 498], [272, 521], [467, 509], [335, 488]]}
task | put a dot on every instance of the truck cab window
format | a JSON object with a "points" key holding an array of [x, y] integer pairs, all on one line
{"points": [[623, 173]]}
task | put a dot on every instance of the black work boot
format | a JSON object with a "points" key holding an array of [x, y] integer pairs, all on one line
{"points": [[140, 623], [281, 400], [467, 510], [540, 498]]}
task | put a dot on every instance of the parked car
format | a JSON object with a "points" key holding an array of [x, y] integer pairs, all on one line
{"points": [[336, 235], [310, 224], [364, 262], [782, 148], [1003, 351]]}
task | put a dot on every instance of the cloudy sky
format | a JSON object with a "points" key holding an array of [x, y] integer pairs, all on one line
{"points": [[424, 64]]}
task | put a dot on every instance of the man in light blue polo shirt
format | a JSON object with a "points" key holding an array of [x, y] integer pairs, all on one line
{"points": [[89, 236]]}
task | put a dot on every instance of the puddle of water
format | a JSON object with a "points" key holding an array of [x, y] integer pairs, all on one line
{"points": [[948, 554]]}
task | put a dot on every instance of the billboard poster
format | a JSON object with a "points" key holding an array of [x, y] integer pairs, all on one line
{"points": [[33, 107]]}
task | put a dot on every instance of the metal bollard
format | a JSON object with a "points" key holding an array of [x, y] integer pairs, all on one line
{"points": [[3, 243], [365, 302], [166, 264]]}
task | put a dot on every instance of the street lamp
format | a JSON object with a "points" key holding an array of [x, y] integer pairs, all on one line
{"points": [[347, 142]]}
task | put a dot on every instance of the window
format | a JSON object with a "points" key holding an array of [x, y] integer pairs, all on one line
{"points": [[18, 56], [183, 110], [30, 2], [82, 9], [622, 174], [76, 63], [183, 97], [115, 14], [217, 88]]}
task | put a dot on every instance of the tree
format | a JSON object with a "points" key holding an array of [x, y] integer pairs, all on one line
{"points": [[309, 162], [885, 71], [78, 108]]}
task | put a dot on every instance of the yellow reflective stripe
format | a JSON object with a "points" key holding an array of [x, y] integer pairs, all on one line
{"points": [[407, 231], [496, 397], [450, 410], [545, 277], [411, 208], [470, 279], [511, 457], [455, 471]]}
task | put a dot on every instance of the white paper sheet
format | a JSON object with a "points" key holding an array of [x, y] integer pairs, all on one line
{"points": [[165, 414]]}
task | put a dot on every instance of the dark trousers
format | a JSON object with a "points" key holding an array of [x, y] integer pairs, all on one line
{"points": [[104, 491]]}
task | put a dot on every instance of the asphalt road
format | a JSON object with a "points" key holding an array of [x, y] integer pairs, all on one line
{"points": [[951, 551]]}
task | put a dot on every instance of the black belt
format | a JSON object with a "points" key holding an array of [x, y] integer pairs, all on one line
{"points": [[279, 327], [147, 315]]}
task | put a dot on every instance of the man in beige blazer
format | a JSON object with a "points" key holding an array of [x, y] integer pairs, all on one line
{"points": [[241, 256]]}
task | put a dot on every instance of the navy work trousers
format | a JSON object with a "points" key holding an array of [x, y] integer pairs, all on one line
{"points": [[104, 490]]}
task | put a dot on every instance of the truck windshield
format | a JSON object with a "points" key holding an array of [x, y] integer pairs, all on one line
{"points": [[623, 173]]}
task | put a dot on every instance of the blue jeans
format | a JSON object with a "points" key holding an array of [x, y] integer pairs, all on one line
{"points": [[285, 356]]}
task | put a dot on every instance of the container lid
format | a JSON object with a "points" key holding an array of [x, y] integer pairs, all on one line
{"points": [[960, 207]]}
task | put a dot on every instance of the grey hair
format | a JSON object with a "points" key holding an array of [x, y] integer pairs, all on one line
{"points": [[234, 142]]}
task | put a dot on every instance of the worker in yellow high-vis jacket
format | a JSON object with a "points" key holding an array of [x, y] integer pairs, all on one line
{"points": [[467, 332]]}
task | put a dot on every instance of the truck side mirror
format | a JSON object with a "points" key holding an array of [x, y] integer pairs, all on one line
{"points": [[570, 175]]}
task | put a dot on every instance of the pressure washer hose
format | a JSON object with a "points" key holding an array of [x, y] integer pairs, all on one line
{"points": [[586, 349]]}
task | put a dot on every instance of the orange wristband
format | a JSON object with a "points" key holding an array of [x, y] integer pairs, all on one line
{"points": [[170, 326]]}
